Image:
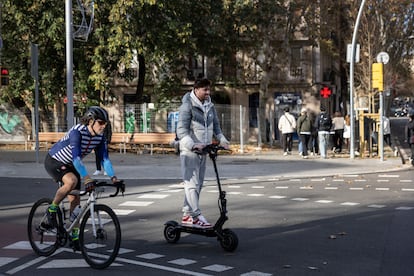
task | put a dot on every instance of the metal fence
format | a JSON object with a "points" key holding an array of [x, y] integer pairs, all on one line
{"points": [[234, 120]]}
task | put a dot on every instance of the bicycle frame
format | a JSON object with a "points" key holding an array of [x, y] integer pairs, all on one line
{"points": [[90, 204]]}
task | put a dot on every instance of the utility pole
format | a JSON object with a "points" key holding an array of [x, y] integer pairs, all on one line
{"points": [[69, 64], [351, 82]]}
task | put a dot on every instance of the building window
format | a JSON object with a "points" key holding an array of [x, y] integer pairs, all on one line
{"points": [[296, 70]]}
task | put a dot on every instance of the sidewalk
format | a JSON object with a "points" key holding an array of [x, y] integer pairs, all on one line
{"points": [[261, 165]]}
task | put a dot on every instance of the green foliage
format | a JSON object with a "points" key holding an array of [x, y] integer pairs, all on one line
{"points": [[164, 33]]}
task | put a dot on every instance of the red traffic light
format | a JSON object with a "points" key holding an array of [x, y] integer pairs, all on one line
{"points": [[4, 76]]}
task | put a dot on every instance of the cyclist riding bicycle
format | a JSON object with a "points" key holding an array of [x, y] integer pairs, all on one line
{"points": [[64, 161]]}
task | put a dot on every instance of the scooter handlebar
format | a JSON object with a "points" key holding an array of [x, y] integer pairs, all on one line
{"points": [[210, 149]]}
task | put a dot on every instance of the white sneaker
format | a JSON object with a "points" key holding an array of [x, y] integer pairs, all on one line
{"points": [[97, 172], [201, 221], [285, 153], [105, 173]]}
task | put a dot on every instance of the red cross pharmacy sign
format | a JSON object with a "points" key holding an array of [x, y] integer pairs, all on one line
{"points": [[325, 92]]}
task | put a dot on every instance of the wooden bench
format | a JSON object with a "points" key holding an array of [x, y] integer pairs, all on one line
{"points": [[121, 139], [160, 139], [45, 138]]}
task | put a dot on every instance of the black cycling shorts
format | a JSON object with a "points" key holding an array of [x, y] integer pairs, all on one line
{"points": [[57, 170]]}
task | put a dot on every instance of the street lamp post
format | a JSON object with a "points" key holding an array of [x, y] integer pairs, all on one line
{"points": [[351, 81], [69, 64]]}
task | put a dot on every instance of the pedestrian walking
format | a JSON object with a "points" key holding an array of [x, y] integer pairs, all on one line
{"points": [[409, 134], [338, 125], [287, 125], [387, 130], [323, 124], [347, 131], [304, 129]]}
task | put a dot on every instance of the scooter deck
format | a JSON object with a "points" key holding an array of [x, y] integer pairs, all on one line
{"points": [[209, 232]]}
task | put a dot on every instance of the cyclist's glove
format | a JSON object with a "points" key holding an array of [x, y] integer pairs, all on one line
{"points": [[120, 184], [89, 185]]}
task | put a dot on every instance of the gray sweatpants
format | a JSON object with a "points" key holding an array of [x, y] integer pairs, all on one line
{"points": [[193, 168]]}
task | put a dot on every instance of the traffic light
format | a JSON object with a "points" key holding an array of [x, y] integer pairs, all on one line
{"points": [[4, 76], [378, 76]]}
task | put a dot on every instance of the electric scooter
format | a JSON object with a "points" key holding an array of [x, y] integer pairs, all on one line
{"points": [[227, 238]]}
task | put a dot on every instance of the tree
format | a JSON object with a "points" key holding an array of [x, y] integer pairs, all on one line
{"points": [[385, 26]]}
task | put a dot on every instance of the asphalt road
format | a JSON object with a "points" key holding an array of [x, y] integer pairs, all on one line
{"points": [[292, 217], [342, 225]]}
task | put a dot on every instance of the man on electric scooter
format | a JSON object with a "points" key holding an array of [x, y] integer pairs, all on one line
{"points": [[197, 123]]}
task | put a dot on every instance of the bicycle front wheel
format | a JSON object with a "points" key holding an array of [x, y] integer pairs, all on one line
{"points": [[100, 236], [43, 237]]}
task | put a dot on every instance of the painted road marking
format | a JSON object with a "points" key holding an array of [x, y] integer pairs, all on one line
{"points": [[217, 268], [122, 212], [26, 265], [350, 203], [404, 208], [182, 261], [389, 175], [324, 201], [382, 189], [234, 193], [300, 199], [277, 196], [154, 196], [255, 273], [150, 256], [6, 260], [255, 195], [161, 267], [318, 179], [137, 203], [376, 206]]}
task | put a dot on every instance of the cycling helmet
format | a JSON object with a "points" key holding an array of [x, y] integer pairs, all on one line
{"points": [[96, 113]]}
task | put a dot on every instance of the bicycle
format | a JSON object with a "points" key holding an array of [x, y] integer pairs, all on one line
{"points": [[99, 230]]}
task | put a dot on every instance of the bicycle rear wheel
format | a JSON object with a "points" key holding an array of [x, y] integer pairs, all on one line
{"points": [[100, 247], [43, 237]]}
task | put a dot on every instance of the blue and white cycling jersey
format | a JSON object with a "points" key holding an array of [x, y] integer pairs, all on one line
{"points": [[78, 143]]}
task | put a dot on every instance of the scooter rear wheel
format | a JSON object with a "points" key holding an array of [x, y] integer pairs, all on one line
{"points": [[171, 233], [230, 240]]}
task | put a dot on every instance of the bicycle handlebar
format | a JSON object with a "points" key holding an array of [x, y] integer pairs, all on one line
{"points": [[120, 186]]}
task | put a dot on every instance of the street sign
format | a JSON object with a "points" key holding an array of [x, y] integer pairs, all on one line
{"points": [[349, 52], [325, 92], [383, 57]]}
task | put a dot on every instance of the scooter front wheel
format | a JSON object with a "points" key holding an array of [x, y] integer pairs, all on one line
{"points": [[171, 233], [230, 241]]}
